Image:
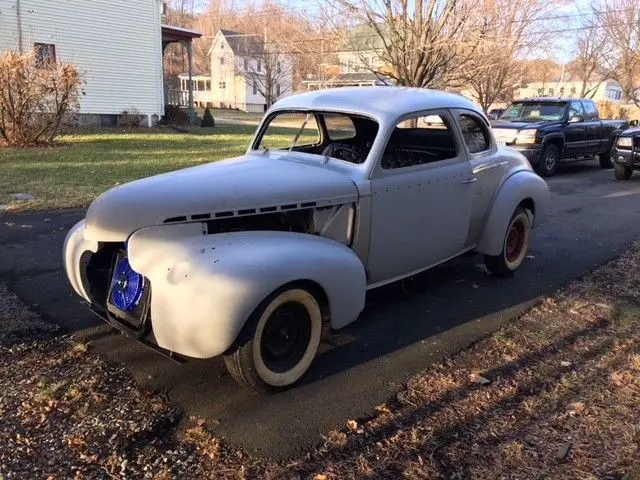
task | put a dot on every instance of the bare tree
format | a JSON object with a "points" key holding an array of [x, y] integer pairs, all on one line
{"points": [[425, 43], [589, 54], [619, 21], [265, 64], [515, 29]]}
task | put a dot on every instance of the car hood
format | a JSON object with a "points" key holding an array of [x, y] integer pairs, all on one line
{"points": [[519, 125], [244, 185]]}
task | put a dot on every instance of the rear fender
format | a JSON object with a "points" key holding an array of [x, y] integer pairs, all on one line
{"points": [[522, 186], [205, 287]]}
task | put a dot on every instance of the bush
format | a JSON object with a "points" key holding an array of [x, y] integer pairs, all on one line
{"points": [[35, 99], [130, 118], [207, 119], [174, 115]]}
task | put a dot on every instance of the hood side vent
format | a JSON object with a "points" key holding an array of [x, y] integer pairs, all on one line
{"points": [[201, 216], [175, 219], [224, 214], [268, 209]]}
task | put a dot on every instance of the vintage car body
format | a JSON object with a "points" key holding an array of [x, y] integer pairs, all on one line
{"points": [[199, 261]]}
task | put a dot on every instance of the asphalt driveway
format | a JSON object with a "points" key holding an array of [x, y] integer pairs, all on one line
{"points": [[404, 327]]}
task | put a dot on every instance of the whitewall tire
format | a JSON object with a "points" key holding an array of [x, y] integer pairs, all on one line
{"points": [[278, 343], [515, 245]]}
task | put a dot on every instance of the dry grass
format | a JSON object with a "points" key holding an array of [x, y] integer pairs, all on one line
{"points": [[562, 401]]}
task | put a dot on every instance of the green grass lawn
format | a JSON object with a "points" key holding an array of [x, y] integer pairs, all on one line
{"points": [[86, 164]]}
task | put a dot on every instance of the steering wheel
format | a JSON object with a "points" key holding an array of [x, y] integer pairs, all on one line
{"points": [[342, 152]]}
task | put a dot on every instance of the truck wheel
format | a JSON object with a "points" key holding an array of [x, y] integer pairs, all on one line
{"points": [[622, 172], [606, 159], [548, 160], [278, 343], [514, 249]]}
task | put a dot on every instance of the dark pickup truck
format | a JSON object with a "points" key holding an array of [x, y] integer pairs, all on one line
{"points": [[626, 156], [549, 131]]}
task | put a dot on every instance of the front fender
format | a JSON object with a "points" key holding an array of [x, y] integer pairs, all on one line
{"points": [[205, 287], [522, 186]]}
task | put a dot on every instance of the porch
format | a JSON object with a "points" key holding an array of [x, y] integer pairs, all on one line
{"points": [[182, 98]]}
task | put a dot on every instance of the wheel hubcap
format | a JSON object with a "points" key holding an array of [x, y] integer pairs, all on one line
{"points": [[515, 241], [550, 160], [286, 337]]}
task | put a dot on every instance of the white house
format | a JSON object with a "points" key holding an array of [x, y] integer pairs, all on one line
{"points": [[242, 72], [201, 87], [117, 45], [353, 70], [607, 90]]}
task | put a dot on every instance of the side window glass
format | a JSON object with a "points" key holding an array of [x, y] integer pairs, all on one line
{"points": [[474, 133], [591, 113], [575, 110], [339, 127], [419, 140]]}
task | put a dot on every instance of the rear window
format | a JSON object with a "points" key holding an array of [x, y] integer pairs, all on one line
{"points": [[339, 127]]}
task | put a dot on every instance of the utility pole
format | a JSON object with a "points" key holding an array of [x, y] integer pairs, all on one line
{"points": [[19, 22]]}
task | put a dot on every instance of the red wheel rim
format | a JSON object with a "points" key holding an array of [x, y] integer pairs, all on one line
{"points": [[515, 241]]}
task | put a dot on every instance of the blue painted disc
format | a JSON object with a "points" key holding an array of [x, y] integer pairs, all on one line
{"points": [[128, 286]]}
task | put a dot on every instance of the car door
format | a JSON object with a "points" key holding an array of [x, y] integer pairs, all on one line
{"points": [[420, 197], [488, 167], [596, 140], [576, 143]]}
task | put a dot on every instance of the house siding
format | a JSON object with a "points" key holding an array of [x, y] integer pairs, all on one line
{"points": [[116, 45]]}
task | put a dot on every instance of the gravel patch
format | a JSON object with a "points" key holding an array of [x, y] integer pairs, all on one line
{"points": [[19, 324]]}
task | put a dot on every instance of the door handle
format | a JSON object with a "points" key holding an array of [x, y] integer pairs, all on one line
{"points": [[470, 180]]}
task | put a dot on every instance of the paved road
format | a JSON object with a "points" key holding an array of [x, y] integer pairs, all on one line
{"points": [[403, 328]]}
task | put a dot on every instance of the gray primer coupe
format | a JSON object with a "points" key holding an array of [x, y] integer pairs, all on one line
{"points": [[339, 192]]}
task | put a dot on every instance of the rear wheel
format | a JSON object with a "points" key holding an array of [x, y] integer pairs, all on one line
{"points": [[515, 247], [622, 172], [278, 343], [549, 160]]}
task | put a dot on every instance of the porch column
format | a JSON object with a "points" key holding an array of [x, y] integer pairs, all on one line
{"points": [[192, 112]]}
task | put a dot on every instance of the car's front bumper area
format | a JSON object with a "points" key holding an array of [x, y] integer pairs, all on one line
{"points": [[532, 153], [626, 157]]}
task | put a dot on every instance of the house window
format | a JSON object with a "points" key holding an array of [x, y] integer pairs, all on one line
{"points": [[246, 64], [551, 92], [222, 85], [45, 53], [277, 90], [255, 87], [573, 90], [541, 91], [278, 71], [207, 84], [259, 65], [201, 85], [221, 60]]}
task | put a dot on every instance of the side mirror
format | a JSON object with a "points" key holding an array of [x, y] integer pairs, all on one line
{"points": [[633, 123], [576, 119]]}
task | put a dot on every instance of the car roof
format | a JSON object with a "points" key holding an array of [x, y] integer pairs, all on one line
{"points": [[383, 102], [552, 99]]}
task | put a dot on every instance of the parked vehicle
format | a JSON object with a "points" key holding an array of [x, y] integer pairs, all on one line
{"points": [[495, 113], [626, 156], [549, 131], [339, 192]]}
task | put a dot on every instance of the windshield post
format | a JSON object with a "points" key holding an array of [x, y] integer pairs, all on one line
{"points": [[304, 124]]}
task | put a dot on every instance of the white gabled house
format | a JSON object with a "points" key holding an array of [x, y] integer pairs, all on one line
{"points": [[245, 75], [116, 44]]}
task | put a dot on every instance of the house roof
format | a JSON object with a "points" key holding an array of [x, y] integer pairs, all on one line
{"points": [[383, 103], [171, 33], [243, 44]]}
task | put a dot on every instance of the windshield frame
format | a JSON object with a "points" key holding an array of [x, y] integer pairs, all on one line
{"points": [[254, 146], [563, 103]]}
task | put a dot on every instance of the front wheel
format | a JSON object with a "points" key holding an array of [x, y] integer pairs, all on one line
{"points": [[549, 160], [622, 172], [515, 246], [606, 159], [278, 343]]}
